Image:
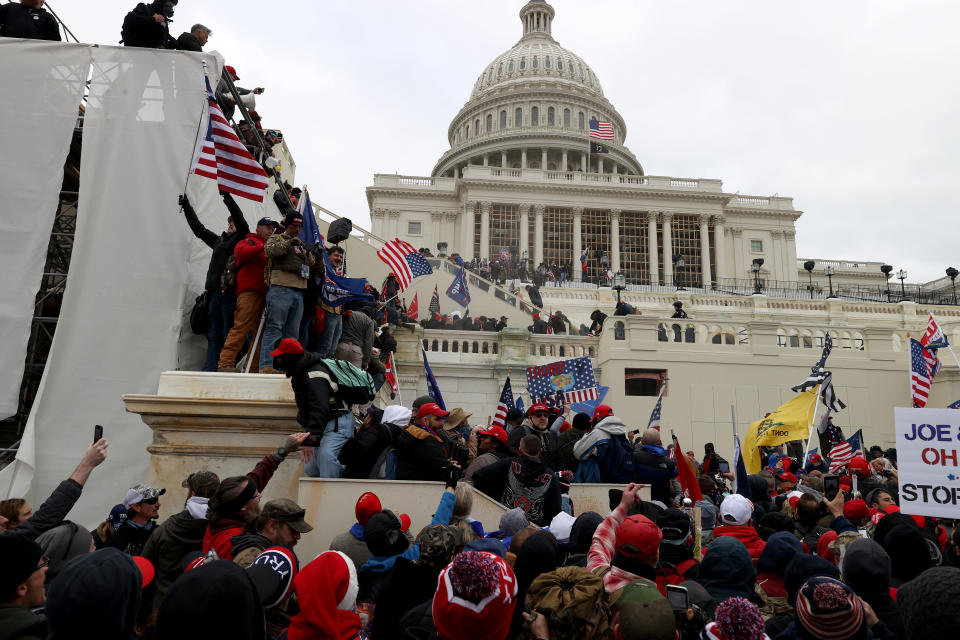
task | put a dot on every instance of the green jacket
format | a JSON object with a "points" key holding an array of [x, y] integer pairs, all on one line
{"points": [[19, 623], [285, 259]]}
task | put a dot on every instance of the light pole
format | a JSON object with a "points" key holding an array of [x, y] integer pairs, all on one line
{"points": [[952, 274], [886, 269], [902, 275], [442, 249], [755, 267], [619, 284], [809, 265], [829, 271]]}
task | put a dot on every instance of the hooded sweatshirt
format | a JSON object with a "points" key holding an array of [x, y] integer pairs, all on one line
{"points": [[62, 544], [909, 555], [95, 596], [581, 535], [866, 569], [326, 592], [727, 570], [773, 561], [609, 427], [179, 535]]}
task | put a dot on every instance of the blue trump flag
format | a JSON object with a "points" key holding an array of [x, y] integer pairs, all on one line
{"points": [[590, 406], [432, 389], [335, 290], [458, 291]]}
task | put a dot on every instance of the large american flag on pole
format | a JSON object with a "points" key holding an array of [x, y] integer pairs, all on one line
{"points": [[601, 130], [405, 261], [504, 405], [222, 157], [920, 378], [843, 453], [654, 422]]}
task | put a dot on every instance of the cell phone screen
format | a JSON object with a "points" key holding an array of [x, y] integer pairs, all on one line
{"points": [[831, 485], [97, 432], [677, 596], [724, 467]]}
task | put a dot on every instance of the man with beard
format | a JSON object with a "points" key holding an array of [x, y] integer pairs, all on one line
{"points": [[280, 524], [143, 508], [237, 501]]}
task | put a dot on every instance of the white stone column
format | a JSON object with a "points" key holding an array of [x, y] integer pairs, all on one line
{"points": [[577, 242], [667, 248], [503, 159], [719, 241], [523, 158], [466, 230], [377, 217], [705, 250], [652, 244], [524, 230], [564, 167], [543, 159], [614, 168], [739, 266], [394, 223], [584, 162], [599, 164], [485, 230], [538, 235], [436, 217], [615, 239]]}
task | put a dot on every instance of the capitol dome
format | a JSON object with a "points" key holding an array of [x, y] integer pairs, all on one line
{"points": [[531, 108]]}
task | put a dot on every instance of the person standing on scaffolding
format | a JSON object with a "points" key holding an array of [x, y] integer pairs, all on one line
{"points": [[251, 297]]}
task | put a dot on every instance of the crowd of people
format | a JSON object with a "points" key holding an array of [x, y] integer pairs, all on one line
{"points": [[790, 561]]}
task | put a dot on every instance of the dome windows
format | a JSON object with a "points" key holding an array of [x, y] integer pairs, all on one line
{"points": [[559, 64], [551, 116], [518, 117], [566, 118], [503, 119], [535, 116], [536, 62], [499, 69], [476, 127], [580, 69], [489, 123], [510, 67], [580, 120], [523, 63], [546, 63]]}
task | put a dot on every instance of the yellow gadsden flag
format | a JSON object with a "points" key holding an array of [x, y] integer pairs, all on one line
{"points": [[789, 422]]}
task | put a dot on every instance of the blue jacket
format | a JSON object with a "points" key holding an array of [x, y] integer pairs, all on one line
{"points": [[380, 564]]}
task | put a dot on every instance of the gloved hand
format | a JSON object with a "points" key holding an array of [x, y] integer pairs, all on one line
{"points": [[183, 200], [453, 476]]}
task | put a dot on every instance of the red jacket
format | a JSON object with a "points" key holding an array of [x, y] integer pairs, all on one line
{"points": [[745, 534], [220, 541], [772, 585], [251, 261]]}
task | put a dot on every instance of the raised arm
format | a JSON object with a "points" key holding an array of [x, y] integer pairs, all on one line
{"points": [[243, 227], [206, 236]]}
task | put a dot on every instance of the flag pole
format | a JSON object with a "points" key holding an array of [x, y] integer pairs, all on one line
{"points": [[256, 341], [949, 346], [810, 427], [196, 139]]}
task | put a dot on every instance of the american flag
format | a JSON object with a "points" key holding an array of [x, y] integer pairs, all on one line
{"points": [[584, 254], [222, 157], [601, 130], [920, 378], [933, 339], [843, 453], [505, 404], [405, 261], [574, 378], [655, 414], [391, 374], [435, 301]]}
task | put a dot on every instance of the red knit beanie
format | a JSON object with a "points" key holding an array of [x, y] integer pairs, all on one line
{"points": [[475, 597]]}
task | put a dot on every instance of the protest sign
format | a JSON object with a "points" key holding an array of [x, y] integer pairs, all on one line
{"points": [[928, 461]]}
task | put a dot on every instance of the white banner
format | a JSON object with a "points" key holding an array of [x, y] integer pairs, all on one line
{"points": [[42, 87], [928, 461]]}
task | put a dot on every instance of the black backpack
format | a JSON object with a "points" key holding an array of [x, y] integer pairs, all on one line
{"points": [[200, 315]]}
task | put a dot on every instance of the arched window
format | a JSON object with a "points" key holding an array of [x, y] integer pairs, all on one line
{"points": [[536, 62], [489, 123], [510, 67], [499, 69], [559, 64], [468, 131], [551, 116], [580, 122], [581, 70], [619, 331], [476, 127], [518, 117], [566, 118], [503, 119], [523, 64], [534, 116], [490, 74], [546, 62]]}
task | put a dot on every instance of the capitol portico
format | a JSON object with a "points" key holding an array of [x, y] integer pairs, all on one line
{"points": [[519, 176]]}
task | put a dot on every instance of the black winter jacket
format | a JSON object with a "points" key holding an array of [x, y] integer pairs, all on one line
{"points": [[18, 21], [421, 455], [310, 379], [53, 510], [223, 244], [409, 584], [656, 471], [549, 443], [179, 535], [493, 480], [129, 539], [141, 30], [361, 451], [188, 42]]}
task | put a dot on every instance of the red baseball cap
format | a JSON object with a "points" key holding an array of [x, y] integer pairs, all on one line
{"points": [[538, 408], [147, 572], [786, 476], [432, 409], [231, 71], [602, 411], [856, 510], [637, 537], [287, 346], [367, 504], [496, 431], [860, 466], [815, 458]]}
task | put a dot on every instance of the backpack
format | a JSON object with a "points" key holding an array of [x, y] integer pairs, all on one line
{"points": [[616, 460], [200, 315], [385, 468], [528, 498], [228, 279], [574, 601], [349, 383]]}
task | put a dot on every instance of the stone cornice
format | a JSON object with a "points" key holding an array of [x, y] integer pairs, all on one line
{"points": [[582, 188]]}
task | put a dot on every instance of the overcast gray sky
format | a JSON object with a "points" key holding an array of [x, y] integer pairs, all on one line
{"points": [[850, 107]]}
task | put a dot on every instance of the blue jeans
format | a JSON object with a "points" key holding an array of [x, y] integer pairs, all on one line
{"points": [[324, 463], [284, 308], [221, 321], [332, 329]]}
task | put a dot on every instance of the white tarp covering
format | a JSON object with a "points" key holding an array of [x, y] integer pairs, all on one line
{"points": [[127, 292], [42, 86]]}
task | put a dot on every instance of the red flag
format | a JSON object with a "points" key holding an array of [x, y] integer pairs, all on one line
{"points": [[687, 473], [391, 374], [413, 311]]}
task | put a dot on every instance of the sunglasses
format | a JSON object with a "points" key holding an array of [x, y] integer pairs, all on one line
{"points": [[151, 501], [540, 414]]}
